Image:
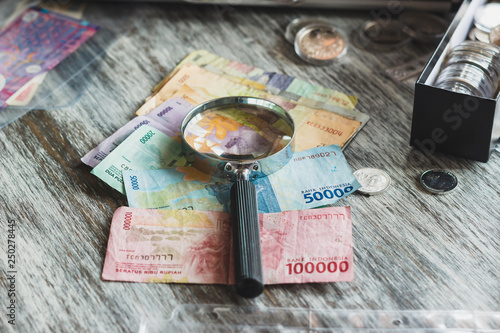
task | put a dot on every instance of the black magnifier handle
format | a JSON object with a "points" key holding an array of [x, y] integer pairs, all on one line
{"points": [[246, 240]]}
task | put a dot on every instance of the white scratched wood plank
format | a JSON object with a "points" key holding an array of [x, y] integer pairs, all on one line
{"points": [[412, 250]]}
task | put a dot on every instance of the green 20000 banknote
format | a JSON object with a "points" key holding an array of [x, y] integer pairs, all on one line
{"points": [[146, 148]]}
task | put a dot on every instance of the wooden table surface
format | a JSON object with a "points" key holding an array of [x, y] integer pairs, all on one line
{"points": [[412, 250]]}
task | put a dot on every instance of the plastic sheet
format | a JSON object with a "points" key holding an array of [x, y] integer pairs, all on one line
{"points": [[222, 318], [65, 84]]}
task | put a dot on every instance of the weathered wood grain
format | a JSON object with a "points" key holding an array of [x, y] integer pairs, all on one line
{"points": [[412, 250]]}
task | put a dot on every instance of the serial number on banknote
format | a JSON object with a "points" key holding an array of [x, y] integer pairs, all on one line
{"points": [[325, 128], [317, 155], [150, 257]]}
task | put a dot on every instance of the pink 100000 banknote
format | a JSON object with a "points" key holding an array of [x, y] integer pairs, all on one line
{"points": [[187, 246]]}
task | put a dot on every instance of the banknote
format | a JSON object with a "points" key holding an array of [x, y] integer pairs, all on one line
{"points": [[305, 119], [285, 86], [188, 246], [276, 83], [313, 178], [34, 43], [145, 148], [334, 129], [166, 121], [166, 118], [199, 79]]}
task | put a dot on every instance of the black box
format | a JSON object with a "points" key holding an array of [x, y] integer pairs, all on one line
{"points": [[446, 121]]}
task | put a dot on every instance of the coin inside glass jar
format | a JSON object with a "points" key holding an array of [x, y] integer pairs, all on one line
{"points": [[320, 44]]}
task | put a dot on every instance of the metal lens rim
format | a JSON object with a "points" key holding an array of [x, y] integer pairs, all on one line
{"points": [[236, 101]]}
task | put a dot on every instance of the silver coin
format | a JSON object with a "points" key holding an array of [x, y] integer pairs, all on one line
{"points": [[478, 47], [422, 26], [293, 27], [487, 17], [320, 43], [438, 181], [473, 68], [377, 36], [470, 75], [485, 62], [456, 87], [480, 35], [373, 181]]}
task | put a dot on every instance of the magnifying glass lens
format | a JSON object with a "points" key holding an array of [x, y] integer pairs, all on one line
{"points": [[240, 132]]}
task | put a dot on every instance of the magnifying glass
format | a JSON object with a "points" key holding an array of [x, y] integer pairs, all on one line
{"points": [[240, 139]]}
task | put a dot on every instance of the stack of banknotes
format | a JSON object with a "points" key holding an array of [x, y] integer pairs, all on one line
{"points": [[176, 228]]}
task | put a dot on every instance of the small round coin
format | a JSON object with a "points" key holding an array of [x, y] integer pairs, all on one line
{"points": [[423, 26], [375, 36], [438, 181], [480, 35], [319, 43], [373, 181], [487, 16]]}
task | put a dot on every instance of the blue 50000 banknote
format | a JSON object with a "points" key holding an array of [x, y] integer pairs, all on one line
{"points": [[313, 178]]}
